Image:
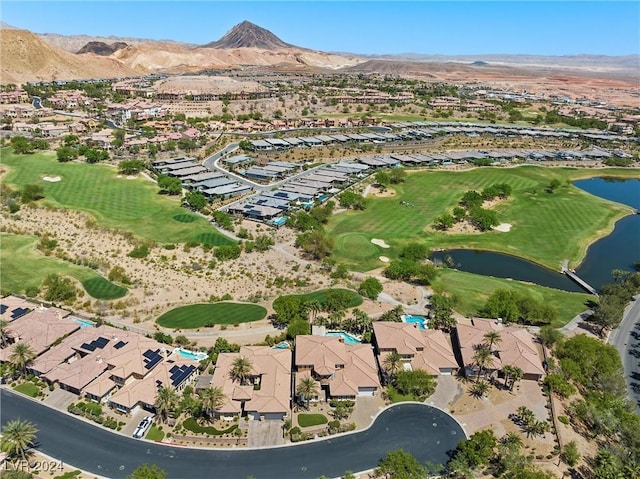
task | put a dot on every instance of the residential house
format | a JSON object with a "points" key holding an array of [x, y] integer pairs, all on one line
{"points": [[344, 371], [515, 348], [426, 349], [267, 391]]}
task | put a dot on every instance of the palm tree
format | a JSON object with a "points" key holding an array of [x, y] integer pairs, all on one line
{"points": [[516, 375], [241, 369], [22, 355], [511, 440], [212, 399], [307, 389], [482, 358], [480, 389], [491, 338], [314, 307], [17, 436], [392, 363], [166, 401], [3, 332]]}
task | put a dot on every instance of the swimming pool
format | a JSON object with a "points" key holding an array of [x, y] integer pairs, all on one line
{"points": [[199, 356], [84, 323], [419, 320], [282, 345], [348, 339]]}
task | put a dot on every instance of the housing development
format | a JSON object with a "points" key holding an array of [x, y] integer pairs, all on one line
{"points": [[249, 259]]}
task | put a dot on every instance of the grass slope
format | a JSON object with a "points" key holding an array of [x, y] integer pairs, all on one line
{"points": [[198, 315], [472, 290], [547, 228], [23, 266], [132, 205]]}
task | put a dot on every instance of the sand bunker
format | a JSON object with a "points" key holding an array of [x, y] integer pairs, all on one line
{"points": [[379, 242], [51, 179], [504, 227], [384, 259], [131, 177]]}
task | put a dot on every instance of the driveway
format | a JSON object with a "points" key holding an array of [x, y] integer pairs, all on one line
{"points": [[425, 432]]}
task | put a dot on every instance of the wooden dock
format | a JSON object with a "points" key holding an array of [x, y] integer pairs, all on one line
{"points": [[571, 274]]}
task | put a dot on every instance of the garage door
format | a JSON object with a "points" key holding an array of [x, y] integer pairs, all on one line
{"points": [[366, 391]]}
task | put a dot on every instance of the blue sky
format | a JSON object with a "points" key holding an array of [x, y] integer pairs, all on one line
{"points": [[428, 27]]}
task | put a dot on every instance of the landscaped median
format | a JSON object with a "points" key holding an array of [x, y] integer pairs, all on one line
{"points": [[208, 315]]}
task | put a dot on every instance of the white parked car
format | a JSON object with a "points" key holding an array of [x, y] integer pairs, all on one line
{"points": [[143, 427]]}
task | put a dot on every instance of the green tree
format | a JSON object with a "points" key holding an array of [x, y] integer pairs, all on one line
{"points": [[212, 398], [400, 464], [21, 355], [382, 178], [307, 389], [512, 374], [169, 185], [570, 454], [491, 338], [444, 221], [17, 437], [479, 389], [31, 193], [441, 312], [402, 269], [315, 243], [414, 252], [21, 146], [130, 167], [195, 200], [550, 336], [608, 313], [241, 369], [392, 364], [59, 289], [370, 287], [166, 402], [297, 327], [397, 175], [482, 358], [417, 383], [66, 153], [264, 242], [477, 450], [148, 471]]}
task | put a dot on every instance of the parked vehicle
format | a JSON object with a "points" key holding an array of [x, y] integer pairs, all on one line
{"points": [[143, 427]]}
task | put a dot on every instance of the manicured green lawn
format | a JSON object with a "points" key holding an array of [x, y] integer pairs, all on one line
{"points": [[123, 204], [23, 266], [28, 388], [192, 425], [308, 420], [321, 297], [395, 396], [472, 291], [546, 228], [199, 315], [154, 433]]}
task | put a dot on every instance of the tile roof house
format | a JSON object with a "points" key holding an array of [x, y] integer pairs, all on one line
{"points": [[515, 348], [344, 371], [39, 328], [267, 394], [12, 307], [175, 372], [426, 349]]}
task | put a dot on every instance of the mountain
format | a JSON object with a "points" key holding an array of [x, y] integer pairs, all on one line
{"points": [[102, 48], [73, 43], [249, 35], [26, 57]]}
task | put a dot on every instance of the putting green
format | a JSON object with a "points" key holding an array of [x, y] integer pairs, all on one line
{"points": [[357, 246], [204, 314]]}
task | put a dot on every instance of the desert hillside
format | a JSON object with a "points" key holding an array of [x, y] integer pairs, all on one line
{"points": [[26, 57]]}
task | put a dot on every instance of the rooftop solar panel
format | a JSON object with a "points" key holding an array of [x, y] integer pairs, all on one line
{"points": [[16, 313], [148, 353], [101, 342], [153, 362], [119, 344], [3, 308], [181, 374], [88, 346]]}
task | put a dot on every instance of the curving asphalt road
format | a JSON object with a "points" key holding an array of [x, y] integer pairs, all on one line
{"points": [[424, 431], [626, 339]]}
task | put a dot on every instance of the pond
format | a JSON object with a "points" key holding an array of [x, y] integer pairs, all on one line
{"points": [[619, 250]]}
